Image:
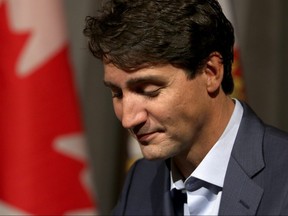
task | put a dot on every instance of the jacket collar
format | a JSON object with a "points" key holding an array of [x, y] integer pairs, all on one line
{"points": [[241, 195]]}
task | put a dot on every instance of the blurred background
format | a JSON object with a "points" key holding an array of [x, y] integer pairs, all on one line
{"points": [[262, 31], [262, 35]]}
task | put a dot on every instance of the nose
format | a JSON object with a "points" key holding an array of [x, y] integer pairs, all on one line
{"points": [[132, 112]]}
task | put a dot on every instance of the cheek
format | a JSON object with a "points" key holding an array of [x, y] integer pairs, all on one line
{"points": [[164, 108], [165, 112]]}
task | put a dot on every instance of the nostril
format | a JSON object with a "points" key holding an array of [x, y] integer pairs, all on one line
{"points": [[134, 120], [136, 129]]}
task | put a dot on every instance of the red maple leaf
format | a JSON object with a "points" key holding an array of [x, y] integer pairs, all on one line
{"points": [[35, 110]]}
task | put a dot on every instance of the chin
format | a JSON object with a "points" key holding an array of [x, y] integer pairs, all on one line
{"points": [[155, 156], [157, 151]]}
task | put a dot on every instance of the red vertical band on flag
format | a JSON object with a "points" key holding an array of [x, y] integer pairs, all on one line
{"points": [[239, 89], [40, 126]]}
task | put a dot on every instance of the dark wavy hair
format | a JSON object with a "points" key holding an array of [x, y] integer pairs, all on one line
{"points": [[133, 34]]}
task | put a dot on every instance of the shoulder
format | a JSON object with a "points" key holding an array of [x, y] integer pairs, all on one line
{"points": [[275, 141], [143, 178], [276, 135], [258, 144], [144, 169], [274, 177], [147, 164], [254, 126]]}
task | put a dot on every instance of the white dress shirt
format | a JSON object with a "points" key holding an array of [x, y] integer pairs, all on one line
{"points": [[211, 171]]}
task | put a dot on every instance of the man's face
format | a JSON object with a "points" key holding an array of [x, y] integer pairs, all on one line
{"points": [[163, 109]]}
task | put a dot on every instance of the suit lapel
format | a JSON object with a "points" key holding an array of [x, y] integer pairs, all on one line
{"points": [[160, 191], [241, 195]]}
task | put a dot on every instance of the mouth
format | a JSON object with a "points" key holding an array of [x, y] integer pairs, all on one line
{"points": [[146, 137]]}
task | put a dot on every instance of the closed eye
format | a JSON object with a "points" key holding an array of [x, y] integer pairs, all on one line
{"points": [[149, 91]]}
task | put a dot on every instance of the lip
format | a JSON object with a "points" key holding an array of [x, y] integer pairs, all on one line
{"points": [[145, 138]]}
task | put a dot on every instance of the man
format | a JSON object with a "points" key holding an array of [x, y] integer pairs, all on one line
{"points": [[168, 65]]}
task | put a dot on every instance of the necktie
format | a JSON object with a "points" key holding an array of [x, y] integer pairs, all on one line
{"points": [[178, 198]]}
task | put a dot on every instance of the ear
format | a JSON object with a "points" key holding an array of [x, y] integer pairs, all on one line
{"points": [[214, 72]]}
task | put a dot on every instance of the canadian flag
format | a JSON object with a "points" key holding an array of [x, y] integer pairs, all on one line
{"points": [[42, 147], [239, 90]]}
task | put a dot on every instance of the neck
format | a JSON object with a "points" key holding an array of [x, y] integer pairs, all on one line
{"points": [[221, 112]]}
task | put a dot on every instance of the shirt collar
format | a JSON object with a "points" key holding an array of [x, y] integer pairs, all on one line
{"points": [[212, 168]]}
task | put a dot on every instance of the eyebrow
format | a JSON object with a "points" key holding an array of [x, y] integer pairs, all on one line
{"points": [[138, 80], [109, 84], [146, 79]]}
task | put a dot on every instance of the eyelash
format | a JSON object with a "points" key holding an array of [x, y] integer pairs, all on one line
{"points": [[151, 94], [118, 95], [148, 94]]}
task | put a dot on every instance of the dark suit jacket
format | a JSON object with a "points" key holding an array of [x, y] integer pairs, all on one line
{"points": [[256, 181]]}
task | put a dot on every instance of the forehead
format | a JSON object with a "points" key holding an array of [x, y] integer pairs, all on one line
{"points": [[116, 75]]}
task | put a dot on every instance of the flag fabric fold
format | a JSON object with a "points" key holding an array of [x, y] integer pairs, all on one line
{"points": [[43, 167]]}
